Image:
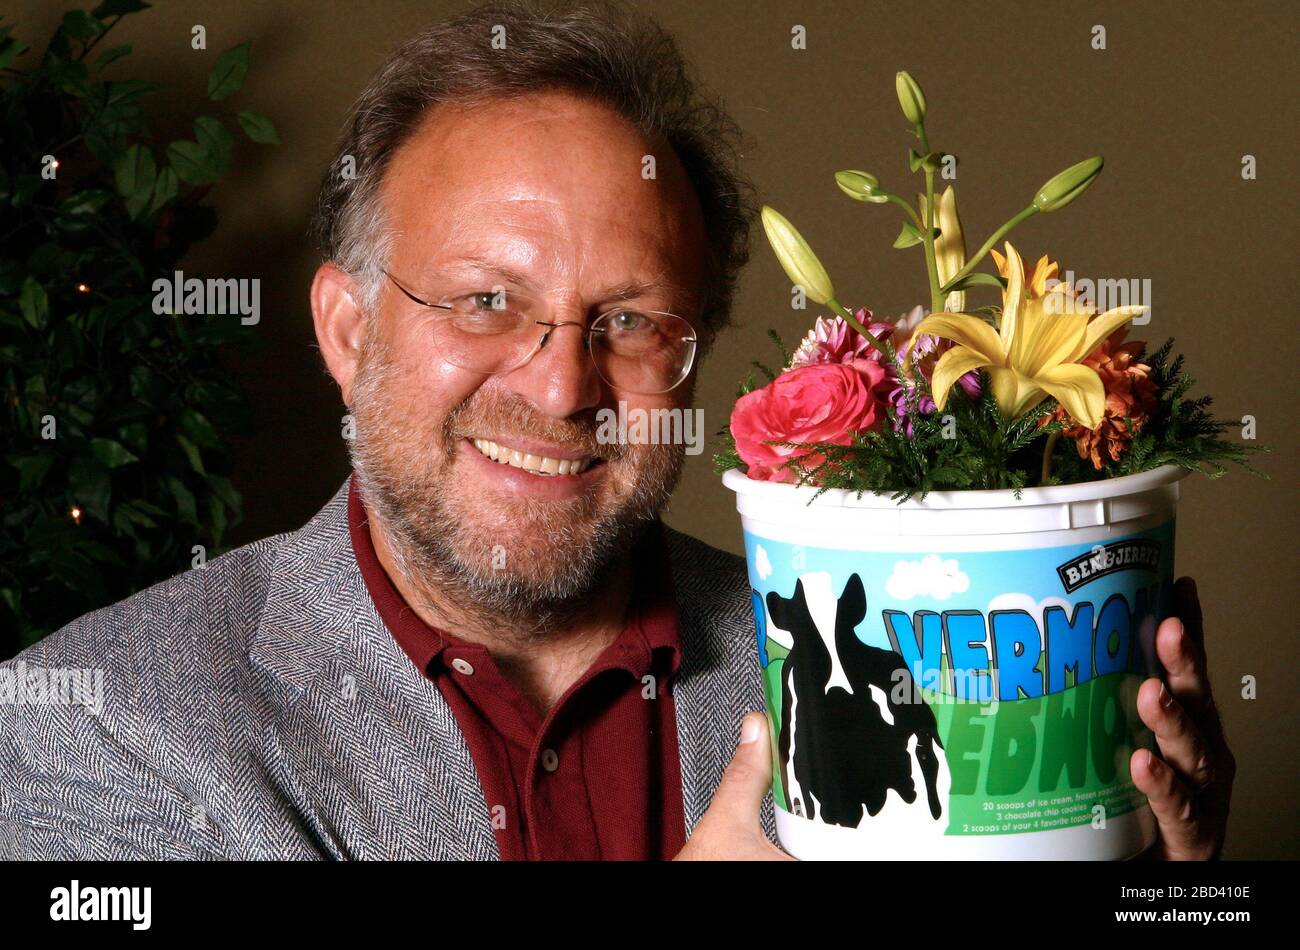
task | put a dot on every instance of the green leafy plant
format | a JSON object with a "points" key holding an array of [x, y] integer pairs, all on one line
{"points": [[114, 467]]}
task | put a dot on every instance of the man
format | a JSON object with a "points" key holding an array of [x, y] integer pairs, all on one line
{"points": [[486, 644]]}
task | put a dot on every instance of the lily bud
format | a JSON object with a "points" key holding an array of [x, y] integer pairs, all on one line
{"points": [[910, 97], [796, 257], [861, 186], [1068, 185]]}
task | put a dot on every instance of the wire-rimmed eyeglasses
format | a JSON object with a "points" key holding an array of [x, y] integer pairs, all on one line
{"points": [[492, 332]]}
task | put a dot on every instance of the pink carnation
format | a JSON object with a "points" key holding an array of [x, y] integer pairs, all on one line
{"points": [[834, 341]]}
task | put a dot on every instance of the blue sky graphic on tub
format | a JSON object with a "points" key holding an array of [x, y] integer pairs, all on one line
{"points": [[972, 587]]}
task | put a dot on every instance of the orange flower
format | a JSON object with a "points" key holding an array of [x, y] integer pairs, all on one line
{"points": [[1130, 394]]}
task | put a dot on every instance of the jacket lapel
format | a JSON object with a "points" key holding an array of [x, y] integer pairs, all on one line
{"points": [[365, 749]]}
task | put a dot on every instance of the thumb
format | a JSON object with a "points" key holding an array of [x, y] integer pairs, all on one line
{"points": [[749, 776]]}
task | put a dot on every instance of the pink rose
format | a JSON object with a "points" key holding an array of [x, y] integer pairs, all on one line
{"points": [[822, 402]]}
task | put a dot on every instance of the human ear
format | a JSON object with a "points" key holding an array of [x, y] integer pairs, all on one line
{"points": [[340, 324]]}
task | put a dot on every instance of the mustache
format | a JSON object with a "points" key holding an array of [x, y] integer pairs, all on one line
{"points": [[501, 422]]}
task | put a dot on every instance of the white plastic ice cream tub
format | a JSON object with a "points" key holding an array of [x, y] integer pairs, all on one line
{"points": [[956, 676]]}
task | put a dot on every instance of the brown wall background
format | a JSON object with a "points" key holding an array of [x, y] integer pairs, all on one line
{"points": [[1182, 92]]}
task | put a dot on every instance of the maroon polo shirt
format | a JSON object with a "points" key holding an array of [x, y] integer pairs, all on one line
{"points": [[595, 777]]}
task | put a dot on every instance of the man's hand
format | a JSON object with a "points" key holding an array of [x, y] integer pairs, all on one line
{"points": [[730, 829], [1190, 786]]}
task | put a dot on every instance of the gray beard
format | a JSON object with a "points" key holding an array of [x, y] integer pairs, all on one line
{"points": [[435, 550]]}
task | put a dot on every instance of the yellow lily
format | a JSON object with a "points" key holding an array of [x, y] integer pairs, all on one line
{"points": [[1034, 353], [797, 258], [1036, 283], [949, 246]]}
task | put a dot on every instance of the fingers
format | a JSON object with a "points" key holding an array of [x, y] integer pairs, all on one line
{"points": [[1181, 743], [1183, 836], [731, 828], [1180, 648], [1187, 606], [745, 783]]}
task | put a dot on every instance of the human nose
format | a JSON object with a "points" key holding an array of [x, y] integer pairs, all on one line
{"points": [[559, 377]]}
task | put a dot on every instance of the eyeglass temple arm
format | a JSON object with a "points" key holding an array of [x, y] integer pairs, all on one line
{"points": [[411, 296]]}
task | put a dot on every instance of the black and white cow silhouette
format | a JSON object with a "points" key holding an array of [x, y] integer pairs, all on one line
{"points": [[846, 738]]}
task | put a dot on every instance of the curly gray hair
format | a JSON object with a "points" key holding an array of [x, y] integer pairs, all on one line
{"points": [[598, 48]]}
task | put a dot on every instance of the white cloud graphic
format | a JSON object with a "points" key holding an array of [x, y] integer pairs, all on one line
{"points": [[762, 565], [1030, 606], [932, 576]]}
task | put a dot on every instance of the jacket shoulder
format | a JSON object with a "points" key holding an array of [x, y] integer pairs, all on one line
{"points": [[713, 591], [203, 609], [107, 713], [702, 566]]}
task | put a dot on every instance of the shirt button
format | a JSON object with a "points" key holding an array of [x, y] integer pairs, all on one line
{"points": [[550, 761], [462, 666]]}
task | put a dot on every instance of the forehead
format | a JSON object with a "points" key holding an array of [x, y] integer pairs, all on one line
{"points": [[550, 182]]}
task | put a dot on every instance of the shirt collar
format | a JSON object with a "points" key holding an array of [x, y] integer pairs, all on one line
{"points": [[652, 613]]}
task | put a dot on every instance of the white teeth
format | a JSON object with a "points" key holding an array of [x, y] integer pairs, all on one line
{"points": [[537, 464]]}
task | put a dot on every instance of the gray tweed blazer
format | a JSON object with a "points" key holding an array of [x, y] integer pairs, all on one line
{"points": [[257, 708]]}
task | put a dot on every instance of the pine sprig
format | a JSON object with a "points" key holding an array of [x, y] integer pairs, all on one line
{"points": [[1183, 432]]}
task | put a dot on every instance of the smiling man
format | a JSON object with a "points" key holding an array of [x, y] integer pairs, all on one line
{"points": [[487, 644]]}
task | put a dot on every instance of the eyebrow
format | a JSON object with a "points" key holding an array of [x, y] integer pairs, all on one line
{"points": [[628, 291]]}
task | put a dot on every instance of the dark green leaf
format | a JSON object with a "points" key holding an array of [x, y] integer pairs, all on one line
{"points": [[32, 468], [128, 89], [186, 510], [111, 129], [164, 189], [218, 519], [225, 491], [10, 50], [135, 173], [90, 487], [86, 202], [34, 303], [229, 72], [80, 25], [25, 188], [119, 8], [110, 56], [193, 163], [258, 128], [191, 453], [131, 511], [99, 552], [216, 141], [135, 435], [199, 429], [67, 76], [111, 454]]}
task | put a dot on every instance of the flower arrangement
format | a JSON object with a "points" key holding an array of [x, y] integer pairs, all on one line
{"points": [[1037, 388]]}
